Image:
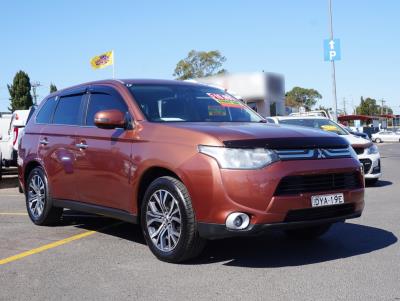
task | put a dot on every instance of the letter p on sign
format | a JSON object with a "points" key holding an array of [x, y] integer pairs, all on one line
{"points": [[332, 50]]}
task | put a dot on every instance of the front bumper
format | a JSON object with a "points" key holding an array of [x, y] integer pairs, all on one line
{"points": [[372, 165], [219, 231]]}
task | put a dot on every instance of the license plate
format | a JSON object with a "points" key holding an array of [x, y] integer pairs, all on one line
{"points": [[327, 199]]}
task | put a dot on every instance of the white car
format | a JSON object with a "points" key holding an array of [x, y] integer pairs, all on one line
{"points": [[367, 152], [386, 136], [10, 137]]}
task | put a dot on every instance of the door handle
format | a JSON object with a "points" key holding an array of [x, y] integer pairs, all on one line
{"points": [[81, 145], [44, 141]]}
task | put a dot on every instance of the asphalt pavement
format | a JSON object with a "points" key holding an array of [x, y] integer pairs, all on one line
{"points": [[88, 257]]}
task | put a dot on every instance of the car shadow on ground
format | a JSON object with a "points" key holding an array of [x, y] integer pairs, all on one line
{"points": [[275, 250], [102, 224], [9, 180], [380, 183], [272, 250]]}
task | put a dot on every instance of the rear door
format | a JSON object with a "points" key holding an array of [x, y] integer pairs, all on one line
{"points": [[57, 144], [104, 162]]}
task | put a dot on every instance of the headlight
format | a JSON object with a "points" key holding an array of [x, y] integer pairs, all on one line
{"points": [[353, 153], [237, 158], [373, 149]]}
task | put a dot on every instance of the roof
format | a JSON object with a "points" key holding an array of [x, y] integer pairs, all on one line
{"points": [[134, 82], [299, 117]]}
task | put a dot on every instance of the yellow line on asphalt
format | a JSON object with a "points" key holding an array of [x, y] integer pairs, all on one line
{"points": [[53, 245]]}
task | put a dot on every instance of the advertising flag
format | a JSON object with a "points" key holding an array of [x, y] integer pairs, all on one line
{"points": [[102, 60]]}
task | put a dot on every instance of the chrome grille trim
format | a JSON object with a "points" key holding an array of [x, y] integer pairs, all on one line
{"points": [[313, 154]]}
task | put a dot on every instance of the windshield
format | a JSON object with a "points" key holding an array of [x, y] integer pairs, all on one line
{"points": [[190, 103], [322, 124]]}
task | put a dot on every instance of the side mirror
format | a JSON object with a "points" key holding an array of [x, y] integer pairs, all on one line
{"points": [[110, 119]]}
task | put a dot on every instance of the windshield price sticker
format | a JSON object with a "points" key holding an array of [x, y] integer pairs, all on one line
{"points": [[216, 111], [226, 100]]}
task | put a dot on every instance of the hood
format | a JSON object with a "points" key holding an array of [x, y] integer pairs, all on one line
{"points": [[251, 135], [357, 141]]}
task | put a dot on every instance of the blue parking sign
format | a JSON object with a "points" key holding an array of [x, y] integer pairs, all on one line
{"points": [[332, 50]]}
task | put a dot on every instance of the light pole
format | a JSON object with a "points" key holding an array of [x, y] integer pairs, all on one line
{"points": [[333, 63]]}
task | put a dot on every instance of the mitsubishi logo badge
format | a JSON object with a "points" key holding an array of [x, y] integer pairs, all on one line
{"points": [[319, 154]]}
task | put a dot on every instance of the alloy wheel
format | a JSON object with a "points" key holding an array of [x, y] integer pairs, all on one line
{"points": [[36, 196], [163, 220]]}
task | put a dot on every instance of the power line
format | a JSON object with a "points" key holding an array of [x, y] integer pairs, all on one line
{"points": [[34, 85]]}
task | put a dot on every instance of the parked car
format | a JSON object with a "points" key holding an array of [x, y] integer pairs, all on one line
{"points": [[367, 152], [187, 161], [355, 133], [9, 141], [5, 118], [386, 136]]}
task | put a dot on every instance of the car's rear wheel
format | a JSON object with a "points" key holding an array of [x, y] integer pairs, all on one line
{"points": [[168, 221], [378, 140], [39, 203], [308, 232]]}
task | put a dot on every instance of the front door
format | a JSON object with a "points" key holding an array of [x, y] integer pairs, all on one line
{"points": [[104, 163]]}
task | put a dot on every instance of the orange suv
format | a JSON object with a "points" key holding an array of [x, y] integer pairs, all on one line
{"points": [[188, 162]]}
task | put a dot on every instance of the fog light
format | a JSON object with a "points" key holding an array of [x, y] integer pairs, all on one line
{"points": [[237, 221]]}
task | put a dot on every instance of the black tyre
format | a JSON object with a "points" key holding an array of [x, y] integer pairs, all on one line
{"points": [[168, 221], [308, 232], [371, 181], [39, 203], [378, 140]]}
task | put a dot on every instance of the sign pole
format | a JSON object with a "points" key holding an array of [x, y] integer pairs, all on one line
{"points": [[333, 64], [113, 56]]}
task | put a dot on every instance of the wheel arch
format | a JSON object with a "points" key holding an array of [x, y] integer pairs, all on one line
{"points": [[147, 178], [29, 167]]}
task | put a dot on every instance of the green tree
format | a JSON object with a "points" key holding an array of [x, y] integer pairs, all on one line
{"points": [[53, 88], [298, 97], [20, 92], [369, 106], [200, 64]]}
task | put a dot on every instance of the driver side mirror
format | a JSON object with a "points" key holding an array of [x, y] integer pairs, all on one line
{"points": [[110, 119]]}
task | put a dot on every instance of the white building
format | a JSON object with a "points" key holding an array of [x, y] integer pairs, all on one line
{"points": [[261, 91]]}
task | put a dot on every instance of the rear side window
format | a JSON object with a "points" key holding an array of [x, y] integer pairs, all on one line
{"points": [[101, 101], [67, 111], [46, 112]]}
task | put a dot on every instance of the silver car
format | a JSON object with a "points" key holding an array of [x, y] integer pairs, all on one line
{"points": [[386, 136]]}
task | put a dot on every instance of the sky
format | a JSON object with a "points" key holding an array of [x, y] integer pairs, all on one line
{"points": [[53, 41]]}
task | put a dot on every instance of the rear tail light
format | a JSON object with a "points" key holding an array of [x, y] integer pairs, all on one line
{"points": [[15, 135]]}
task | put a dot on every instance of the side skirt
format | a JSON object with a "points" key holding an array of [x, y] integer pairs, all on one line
{"points": [[95, 209]]}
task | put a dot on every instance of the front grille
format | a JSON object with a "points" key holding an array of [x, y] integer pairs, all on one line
{"points": [[366, 164], [359, 150], [312, 183], [311, 214]]}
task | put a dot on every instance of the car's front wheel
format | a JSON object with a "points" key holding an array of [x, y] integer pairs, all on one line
{"points": [[39, 203], [378, 140], [168, 221], [308, 232]]}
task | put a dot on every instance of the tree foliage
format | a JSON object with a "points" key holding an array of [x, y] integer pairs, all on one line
{"points": [[200, 64], [298, 97], [53, 88], [369, 106], [20, 92]]}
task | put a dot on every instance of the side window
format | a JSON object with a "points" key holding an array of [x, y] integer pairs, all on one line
{"points": [[67, 111], [101, 101], [46, 112]]}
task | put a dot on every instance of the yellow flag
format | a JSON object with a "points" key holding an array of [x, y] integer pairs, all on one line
{"points": [[102, 60]]}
